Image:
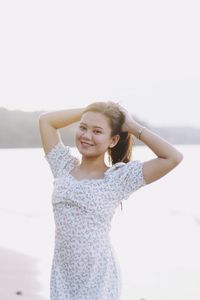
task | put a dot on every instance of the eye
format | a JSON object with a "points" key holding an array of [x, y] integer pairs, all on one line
{"points": [[82, 127], [97, 131]]}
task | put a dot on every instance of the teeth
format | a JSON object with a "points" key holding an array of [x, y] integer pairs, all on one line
{"points": [[86, 144]]}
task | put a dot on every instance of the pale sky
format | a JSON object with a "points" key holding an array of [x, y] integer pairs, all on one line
{"points": [[64, 54]]}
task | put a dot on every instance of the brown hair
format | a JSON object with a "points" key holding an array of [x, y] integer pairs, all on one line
{"points": [[122, 151]]}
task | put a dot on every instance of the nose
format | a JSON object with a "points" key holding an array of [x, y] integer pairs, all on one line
{"points": [[87, 134]]}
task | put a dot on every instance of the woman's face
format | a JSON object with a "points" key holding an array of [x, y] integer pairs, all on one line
{"points": [[93, 135]]}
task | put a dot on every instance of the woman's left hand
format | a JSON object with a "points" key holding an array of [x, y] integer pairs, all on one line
{"points": [[128, 119]]}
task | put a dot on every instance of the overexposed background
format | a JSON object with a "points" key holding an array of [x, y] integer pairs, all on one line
{"points": [[60, 54]]}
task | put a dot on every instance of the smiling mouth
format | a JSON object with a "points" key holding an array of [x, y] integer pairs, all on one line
{"points": [[85, 144]]}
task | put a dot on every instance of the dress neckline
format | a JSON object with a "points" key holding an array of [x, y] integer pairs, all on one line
{"points": [[88, 179], [113, 167]]}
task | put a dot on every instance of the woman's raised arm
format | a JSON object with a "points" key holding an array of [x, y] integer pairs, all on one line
{"points": [[168, 157], [50, 122]]}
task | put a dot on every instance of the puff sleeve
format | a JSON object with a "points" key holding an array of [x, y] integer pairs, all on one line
{"points": [[129, 178], [60, 158]]}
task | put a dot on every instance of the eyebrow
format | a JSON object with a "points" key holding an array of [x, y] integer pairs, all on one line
{"points": [[93, 126]]}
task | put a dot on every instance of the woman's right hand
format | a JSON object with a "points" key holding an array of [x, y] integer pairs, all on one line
{"points": [[129, 120]]}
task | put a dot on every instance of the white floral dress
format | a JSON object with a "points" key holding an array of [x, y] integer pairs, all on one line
{"points": [[85, 266]]}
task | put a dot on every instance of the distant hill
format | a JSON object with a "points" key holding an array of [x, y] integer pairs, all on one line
{"points": [[179, 135], [20, 129]]}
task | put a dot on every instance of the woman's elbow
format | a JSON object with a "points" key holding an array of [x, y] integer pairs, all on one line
{"points": [[177, 158]]}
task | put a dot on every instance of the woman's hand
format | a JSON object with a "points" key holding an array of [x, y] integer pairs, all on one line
{"points": [[129, 120]]}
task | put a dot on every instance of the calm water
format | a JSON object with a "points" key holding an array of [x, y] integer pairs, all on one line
{"points": [[156, 237]]}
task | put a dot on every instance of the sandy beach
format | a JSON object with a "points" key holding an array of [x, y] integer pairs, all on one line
{"points": [[18, 276]]}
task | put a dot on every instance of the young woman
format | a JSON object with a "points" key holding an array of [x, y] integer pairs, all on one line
{"points": [[87, 192]]}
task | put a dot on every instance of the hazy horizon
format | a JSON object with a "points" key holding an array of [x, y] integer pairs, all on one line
{"points": [[151, 124]]}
